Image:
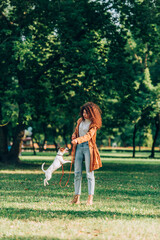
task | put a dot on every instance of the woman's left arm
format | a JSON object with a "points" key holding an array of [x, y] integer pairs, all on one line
{"points": [[88, 136]]}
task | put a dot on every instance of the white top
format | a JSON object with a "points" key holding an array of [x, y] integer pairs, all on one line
{"points": [[84, 127]]}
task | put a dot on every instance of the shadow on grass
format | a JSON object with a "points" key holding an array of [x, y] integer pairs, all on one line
{"points": [[106, 166], [57, 192], [25, 213], [124, 167], [128, 193], [23, 165], [147, 157], [30, 165]]}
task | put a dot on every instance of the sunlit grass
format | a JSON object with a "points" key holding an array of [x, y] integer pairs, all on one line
{"points": [[126, 202], [104, 154]]}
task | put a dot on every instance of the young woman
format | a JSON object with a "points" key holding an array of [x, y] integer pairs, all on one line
{"points": [[84, 147]]}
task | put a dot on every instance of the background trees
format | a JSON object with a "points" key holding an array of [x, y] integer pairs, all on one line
{"points": [[56, 55]]}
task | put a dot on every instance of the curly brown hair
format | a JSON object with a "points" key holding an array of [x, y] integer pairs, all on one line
{"points": [[94, 113]]}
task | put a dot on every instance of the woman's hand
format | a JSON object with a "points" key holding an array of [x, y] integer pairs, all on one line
{"points": [[74, 141], [73, 136]]}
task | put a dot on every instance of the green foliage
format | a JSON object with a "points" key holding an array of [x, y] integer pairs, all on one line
{"points": [[57, 55]]}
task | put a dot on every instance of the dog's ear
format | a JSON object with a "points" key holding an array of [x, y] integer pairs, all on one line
{"points": [[62, 149]]}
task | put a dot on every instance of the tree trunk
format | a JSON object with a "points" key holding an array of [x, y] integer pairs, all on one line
{"points": [[54, 141], [3, 140], [41, 146], [34, 151], [3, 143], [109, 141], [157, 123], [56, 145], [134, 140], [17, 144]]}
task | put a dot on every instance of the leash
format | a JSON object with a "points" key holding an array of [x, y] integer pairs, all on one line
{"points": [[60, 182]]}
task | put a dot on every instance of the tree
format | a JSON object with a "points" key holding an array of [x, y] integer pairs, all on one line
{"points": [[138, 21], [53, 63]]}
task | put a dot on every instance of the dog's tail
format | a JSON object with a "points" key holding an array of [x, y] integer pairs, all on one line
{"points": [[43, 168]]}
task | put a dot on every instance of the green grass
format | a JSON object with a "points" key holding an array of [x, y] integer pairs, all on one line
{"points": [[126, 202]]}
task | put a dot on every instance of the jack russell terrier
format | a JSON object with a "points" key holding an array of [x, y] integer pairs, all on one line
{"points": [[57, 163]]}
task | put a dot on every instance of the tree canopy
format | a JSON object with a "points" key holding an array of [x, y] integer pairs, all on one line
{"points": [[57, 55]]}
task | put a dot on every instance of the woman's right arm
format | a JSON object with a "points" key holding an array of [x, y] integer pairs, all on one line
{"points": [[73, 136]]}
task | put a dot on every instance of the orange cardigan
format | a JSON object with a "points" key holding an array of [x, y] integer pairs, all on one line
{"points": [[95, 161]]}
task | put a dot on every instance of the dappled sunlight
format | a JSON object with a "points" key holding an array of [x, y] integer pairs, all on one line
{"points": [[21, 172], [37, 157], [80, 229], [29, 172], [132, 160]]}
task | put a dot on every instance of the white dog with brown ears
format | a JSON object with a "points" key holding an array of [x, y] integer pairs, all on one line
{"points": [[57, 163]]}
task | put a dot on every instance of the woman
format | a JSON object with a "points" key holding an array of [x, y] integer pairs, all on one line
{"points": [[84, 147]]}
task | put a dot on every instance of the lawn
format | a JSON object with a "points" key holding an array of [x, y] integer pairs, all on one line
{"points": [[126, 201]]}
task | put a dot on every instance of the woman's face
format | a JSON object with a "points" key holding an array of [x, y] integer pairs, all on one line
{"points": [[85, 115]]}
